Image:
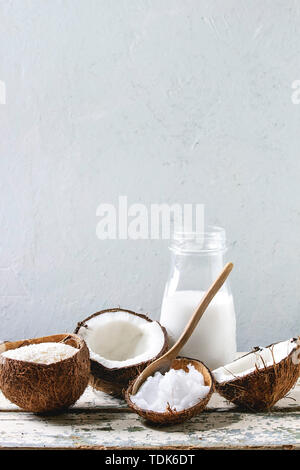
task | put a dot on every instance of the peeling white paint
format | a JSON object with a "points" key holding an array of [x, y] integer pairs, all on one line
{"points": [[95, 422]]}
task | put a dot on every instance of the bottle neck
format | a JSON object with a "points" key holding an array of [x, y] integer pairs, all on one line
{"points": [[210, 242], [195, 271]]}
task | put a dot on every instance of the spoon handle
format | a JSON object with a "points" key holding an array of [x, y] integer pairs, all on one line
{"points": [[215, 287]]}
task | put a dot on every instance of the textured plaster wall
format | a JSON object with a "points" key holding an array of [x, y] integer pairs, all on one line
{"points": [[162, 101]]}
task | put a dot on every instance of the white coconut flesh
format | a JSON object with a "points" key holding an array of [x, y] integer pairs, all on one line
{"points": [[264, 357], [121, 339]]}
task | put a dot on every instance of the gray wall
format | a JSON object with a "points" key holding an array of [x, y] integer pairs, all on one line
{"points": [[162, 101]]}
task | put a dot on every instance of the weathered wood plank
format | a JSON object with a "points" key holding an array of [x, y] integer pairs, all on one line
{"points": [[99, 429]]}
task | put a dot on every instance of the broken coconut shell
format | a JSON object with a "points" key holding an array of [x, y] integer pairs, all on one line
{"points": [[170, 416], [42, 388], [120, 343], [269, 379]]}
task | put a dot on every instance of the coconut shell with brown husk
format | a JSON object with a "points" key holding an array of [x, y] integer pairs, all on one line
{"points": [[257, 380], [40, 387], [121, 344], [171, 416]]}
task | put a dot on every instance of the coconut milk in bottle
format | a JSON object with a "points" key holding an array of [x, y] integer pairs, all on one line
{"points": [[197, 259]]}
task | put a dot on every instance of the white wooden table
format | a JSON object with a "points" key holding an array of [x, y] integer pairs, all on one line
{"points": [[98, 421]]}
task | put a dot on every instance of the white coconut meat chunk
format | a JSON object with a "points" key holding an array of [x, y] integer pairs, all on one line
{"points": [[120, 339], [264, 357]]}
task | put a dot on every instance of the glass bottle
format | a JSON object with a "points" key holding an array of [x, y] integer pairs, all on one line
{"points": [[197, 259]]}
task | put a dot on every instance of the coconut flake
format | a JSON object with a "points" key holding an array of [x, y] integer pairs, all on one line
{"points": [[41, 353], [177, 390]]}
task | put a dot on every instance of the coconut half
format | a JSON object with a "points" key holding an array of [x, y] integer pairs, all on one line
{"points": [[44, 388], [259, 379], [121, 344], [171, 416]]}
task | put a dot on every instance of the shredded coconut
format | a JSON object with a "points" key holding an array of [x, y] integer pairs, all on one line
{"points": [[42, 353], [178, 389]]}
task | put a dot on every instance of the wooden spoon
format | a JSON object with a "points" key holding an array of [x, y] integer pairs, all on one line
{"points": [[163, 364]]}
